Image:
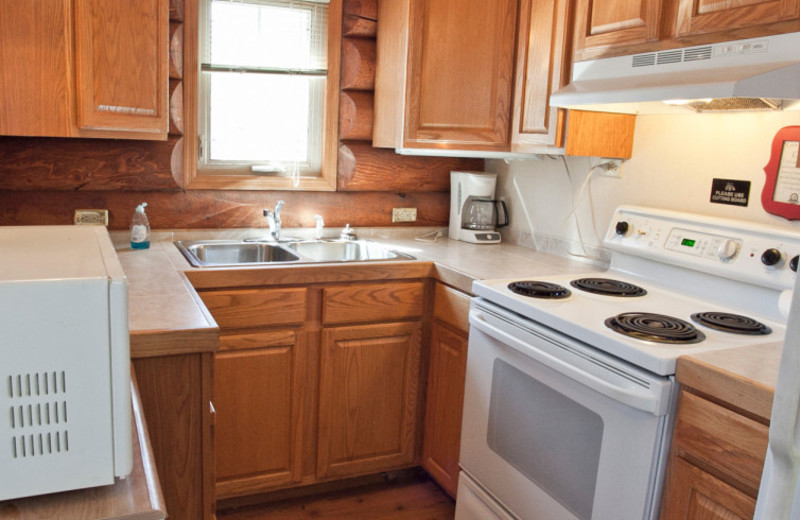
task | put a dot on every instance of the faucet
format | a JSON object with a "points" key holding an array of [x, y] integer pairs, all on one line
{"points": [[320, 223], [274, 221]]}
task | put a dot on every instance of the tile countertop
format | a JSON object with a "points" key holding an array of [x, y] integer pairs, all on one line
{"points": [[167, 317]]}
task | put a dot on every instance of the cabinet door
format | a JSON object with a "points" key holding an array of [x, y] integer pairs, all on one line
{"points": [[603, 25], [258, 399], [692, 494], [695, 17], [542, 67], [446, 374], [369, 381], [35, 78], [460, 73], [121, 65]]}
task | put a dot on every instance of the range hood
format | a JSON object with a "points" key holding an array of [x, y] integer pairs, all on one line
{"points": [[757, 73]]}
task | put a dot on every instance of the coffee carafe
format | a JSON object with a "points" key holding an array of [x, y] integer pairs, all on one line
{"points": [[474, 213]]}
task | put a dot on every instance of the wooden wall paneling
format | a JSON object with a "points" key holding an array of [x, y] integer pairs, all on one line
{"points": [[175, 107], [175, 50], [176, 10], [362, 8], [172, 398], [364, 168], [355, 115], [209, 209], [358, 64], [83, 164], [357, 27]]}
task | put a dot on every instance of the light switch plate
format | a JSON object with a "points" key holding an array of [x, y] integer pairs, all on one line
{"points": [[404, 214], [91, 216]]}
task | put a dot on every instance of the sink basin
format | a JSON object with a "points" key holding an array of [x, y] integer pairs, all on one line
{"points": [[345, 251], [227, 253], [206, 253]]}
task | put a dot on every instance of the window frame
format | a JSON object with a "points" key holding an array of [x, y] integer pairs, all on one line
{"points": [[226, 179]]}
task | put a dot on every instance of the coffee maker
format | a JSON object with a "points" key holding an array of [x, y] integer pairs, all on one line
{"points": [[474, 213]]}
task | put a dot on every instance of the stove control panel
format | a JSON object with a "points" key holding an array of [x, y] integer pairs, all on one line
{"points": [[713, 247], [760, 254]]}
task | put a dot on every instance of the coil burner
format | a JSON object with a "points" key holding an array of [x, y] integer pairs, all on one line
{"points": [[657, 328], [733, 323], [608, 287], [536, 289]]}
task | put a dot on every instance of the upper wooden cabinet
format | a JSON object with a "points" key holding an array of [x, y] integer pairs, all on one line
{"points": [[614, 24], [445, 74], [615, 27], [84, 68], [472, 75]]}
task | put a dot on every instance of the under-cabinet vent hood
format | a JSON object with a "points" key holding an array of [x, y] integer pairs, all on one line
{"points": [[753, 74]]}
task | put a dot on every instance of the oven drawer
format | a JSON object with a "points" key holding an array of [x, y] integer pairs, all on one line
{"points": [[724, 443]]}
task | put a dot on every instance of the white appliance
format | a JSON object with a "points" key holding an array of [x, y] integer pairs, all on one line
{"points": [[570, 390], [474, 214], [65, 404], [761, 73]]}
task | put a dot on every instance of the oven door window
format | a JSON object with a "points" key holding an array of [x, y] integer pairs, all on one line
{"points": [[561, 456]]}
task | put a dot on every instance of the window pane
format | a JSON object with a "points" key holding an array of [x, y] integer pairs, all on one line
{"points": [[272, 35], [263, 117]]}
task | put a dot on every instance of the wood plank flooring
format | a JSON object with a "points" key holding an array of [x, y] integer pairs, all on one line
{"points": [[402, 501]]}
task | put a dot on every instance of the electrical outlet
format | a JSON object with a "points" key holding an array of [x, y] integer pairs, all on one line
{"points": [[404, 214], [611, 168], [91, 216]]}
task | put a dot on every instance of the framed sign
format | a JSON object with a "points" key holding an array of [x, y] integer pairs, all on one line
{"points": [[781, 195]]}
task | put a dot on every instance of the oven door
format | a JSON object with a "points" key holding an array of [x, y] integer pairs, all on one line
{"points": [[556, 430]]}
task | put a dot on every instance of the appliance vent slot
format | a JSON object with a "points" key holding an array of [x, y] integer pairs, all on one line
{"points": [[37, 384], [38, 444], [644, 60], [697, 54], [670, 57], [37, 415]]}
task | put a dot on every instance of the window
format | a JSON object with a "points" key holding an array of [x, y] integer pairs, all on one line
{"points": [[267, 94]]}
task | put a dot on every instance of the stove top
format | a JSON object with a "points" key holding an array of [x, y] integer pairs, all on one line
{"points": [[677, 284]]}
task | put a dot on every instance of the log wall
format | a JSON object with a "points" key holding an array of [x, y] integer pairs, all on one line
{"points": [[43, 180]]}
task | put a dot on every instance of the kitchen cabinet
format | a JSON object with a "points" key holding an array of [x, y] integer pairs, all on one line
{"points": [[445, 388], [612, 27], [456, 76], [715, 462], [84, 68], [315, 382], [444, 74], [176, 393]]}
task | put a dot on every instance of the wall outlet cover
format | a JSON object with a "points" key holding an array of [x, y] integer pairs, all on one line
{"points": [[91, 216], [404, 214]]}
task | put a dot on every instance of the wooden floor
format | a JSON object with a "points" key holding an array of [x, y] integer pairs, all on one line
{"points": [[403, 501]]}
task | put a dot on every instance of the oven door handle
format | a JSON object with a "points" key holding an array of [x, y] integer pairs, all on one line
{"points": [[640, 399]]}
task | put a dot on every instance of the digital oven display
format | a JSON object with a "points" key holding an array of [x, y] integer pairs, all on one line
{"points": [[688, 242]]}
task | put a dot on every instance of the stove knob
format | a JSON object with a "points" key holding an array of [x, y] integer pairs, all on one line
{"points": [[622, 228], [771, 257], [727, 250], [793, 263]]}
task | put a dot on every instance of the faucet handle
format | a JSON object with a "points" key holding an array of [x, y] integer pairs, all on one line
{"points": [[348, 233], [319, 224]]}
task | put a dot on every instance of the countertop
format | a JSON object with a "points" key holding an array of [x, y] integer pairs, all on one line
{"points": [[167, 317], [138, 497]]}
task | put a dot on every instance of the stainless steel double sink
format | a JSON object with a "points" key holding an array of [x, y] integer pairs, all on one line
{"points": [[227, 253]]}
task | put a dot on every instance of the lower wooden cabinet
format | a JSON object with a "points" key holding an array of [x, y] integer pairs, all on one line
{"points": [[259, 397], [696, 495], [176, 398], [443, 412], [715, 462], [445, 388], [369, 380]]}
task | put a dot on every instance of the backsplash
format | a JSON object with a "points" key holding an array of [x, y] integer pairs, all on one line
{"points": [[675, 158]]}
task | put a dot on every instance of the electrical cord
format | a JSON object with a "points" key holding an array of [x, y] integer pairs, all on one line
{"points": [[432, 236], [585, 186]]}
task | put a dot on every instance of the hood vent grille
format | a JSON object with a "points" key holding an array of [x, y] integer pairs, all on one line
{"points": [[671, 56], [732, 104]]}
